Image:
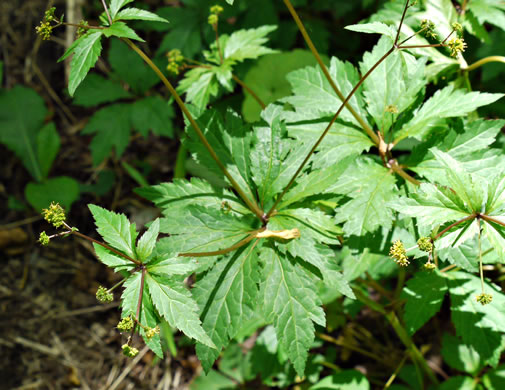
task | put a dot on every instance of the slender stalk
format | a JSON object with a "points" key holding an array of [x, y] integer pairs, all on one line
{"points": [[472, 216], [249, 202], [484, 61], [401, 22], [214, 26], [79, 234], [448, 268], [491, 219], [343, 344], [398, 170], [251, 92], [107, 11], [141, 292], [421, 46], [481, 270], [302, 165], [314, 51], [393, 376]]}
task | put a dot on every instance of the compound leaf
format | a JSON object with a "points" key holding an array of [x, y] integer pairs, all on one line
{"points": [[86, 53]]}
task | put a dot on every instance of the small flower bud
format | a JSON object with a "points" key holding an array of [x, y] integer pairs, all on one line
{"points": [[429, 266], [129, 351], [212, 19], [44, 239], [456, 45], [458, 28], [55, 214], [151, 332], [428, 28], [425, 244], [45, 30], [484, 298], [103, 295], [83, 29], [216, 9], [126, 324], [49, 14]]}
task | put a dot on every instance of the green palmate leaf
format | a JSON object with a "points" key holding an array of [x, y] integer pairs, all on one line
{"points": [[48, 145], [467, 187], [374, 28], [139, 14], [200, 85], [61, 189], [148, 315], [175, 304], [460, 356], [147, 242], [19, 131], [341, 140], [199, 229], [314, 97], [445, 103], [167, 264], [121, 30], [290, 303], [370, 186], [480, 327], [268, 76], [489, 11], [112, 127], [86, 53], [231, 140], [495, 233], [393, 86], [115, 229], [431, 205], [495, 379], [246, 44], [95, 90], [227, 296], [314, 183], [424, 294], [116, 5], [463, 144], [182, 193], [130, 68], [112, 260], [152, 113]]}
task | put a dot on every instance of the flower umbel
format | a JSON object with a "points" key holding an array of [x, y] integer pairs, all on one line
{"points": [[458, 28], [399, 254], [44, 238], [456, 45], [429, 266], [54, 214], [129, 351], [151, 332], [126, 324], [429, 28], [103, 295], [484, 298], [175, 59], [425, 244]]}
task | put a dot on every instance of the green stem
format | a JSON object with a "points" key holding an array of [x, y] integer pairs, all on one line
{"points": [[400, 331], [398, 170], [480, 260], [314, 51], [107, 11], [302, 165], [251, 204], [484, 61]]}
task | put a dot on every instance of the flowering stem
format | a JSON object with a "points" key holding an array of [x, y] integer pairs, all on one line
{"points": [[214, 26], [79, 234], [316, 55], [484, 61], [472, 216], [107, 11], [251, 204]]}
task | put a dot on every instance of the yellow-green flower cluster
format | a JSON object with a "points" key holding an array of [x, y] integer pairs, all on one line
{"points": [[425, 244], [129, 351], [55, 215], [428, 28], [429, 266], [45, 30], [458, 28], [456, 45], [44, 238], [151, 332], [126, 324], [175, 59], [83, 29], [215, 11], [103, 295], [484, 298], [398, 253]]}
